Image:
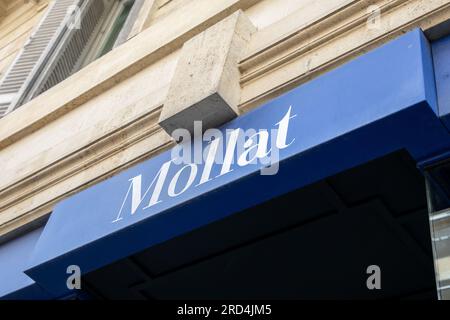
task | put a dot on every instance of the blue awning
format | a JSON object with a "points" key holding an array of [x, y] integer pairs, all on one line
{"points": [[376, 104], [441, 54], [14, 256]]}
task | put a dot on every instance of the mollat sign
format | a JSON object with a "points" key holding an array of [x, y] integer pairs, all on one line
{"points": [[347, 117], [215, 152]]}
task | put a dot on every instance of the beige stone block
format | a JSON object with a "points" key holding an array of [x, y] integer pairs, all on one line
{"points": [[205, 86], [2, 9]]}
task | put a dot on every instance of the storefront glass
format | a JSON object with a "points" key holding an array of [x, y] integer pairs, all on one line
{"points": [[438, 190]]}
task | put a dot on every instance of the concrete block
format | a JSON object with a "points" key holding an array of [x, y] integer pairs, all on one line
{"points": [[205, 86]]}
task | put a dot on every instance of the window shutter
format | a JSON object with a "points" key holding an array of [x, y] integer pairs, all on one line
{"points": [[26, 64], [70, 49], [3, 108], [51, 53]]}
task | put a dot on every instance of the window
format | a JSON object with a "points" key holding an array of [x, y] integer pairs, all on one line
{"points": [[107, 35], [438, 192], [72, 34], [117, 26]]}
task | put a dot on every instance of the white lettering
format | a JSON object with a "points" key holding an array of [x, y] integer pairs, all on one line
{"points": [[212, 150], [229, 153], [193, 173], [283, 127], [136, 187], [260, 145]]}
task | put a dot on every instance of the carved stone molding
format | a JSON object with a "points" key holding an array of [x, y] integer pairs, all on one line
{"points": [[205, 85], [279, 57], [289, 53], [92, 157]]}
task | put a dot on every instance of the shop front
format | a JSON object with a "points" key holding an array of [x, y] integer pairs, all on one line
{"points": [[295, 199]]}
